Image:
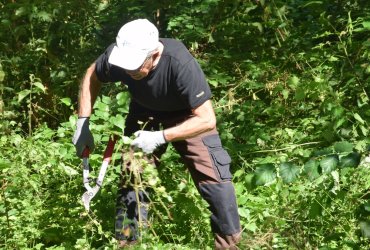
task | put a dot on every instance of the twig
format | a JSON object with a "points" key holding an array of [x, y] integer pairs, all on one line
{"points": [[286, 148]]}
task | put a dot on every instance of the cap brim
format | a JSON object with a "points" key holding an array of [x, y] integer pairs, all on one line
{"points": [[129, 59]]}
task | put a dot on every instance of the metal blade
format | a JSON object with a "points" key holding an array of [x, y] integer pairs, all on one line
{"points": [[87, 197]]}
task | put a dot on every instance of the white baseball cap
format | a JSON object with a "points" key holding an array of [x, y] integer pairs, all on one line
{"points": [[134, 42]]}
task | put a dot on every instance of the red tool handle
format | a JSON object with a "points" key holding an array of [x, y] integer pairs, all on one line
{"points": [[86, 153], [109, 150]]}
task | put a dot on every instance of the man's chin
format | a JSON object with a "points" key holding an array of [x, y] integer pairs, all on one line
{"points": [[138, 77]]}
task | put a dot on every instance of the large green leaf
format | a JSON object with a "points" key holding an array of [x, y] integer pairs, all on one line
{"points": [[350, 161], [264, 174], [343, 146], [289, 172], [329, 163], [311, 168]]}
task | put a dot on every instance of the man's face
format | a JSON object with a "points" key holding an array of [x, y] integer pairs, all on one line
{"points": [[143, 70]]}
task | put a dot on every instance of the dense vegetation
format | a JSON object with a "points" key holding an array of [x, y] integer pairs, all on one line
{"points": [[291, 85]]}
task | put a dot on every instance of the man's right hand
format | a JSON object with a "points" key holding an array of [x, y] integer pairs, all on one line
{"points": [[82, 137]]}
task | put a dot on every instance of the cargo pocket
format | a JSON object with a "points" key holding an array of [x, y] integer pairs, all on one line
{"points": [[220, 158]]}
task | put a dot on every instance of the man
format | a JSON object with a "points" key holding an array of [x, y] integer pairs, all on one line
{"points": [[169, 94]]}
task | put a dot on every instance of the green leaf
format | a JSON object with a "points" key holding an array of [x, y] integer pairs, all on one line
{"points": [[258, 25], [358, 118], [300, 94], [44, 16], [329, 163], [311, 168], [122, 98], [106, 99], [213, 82], [244, 212], [289, 172], [118, 121], [285, 93], [264, 174], [2, 75], [364, 130], [343, 146], [126, 140], [5, 164], [293, 82], [351, 160], [67, 101], [101, 106], [69, 171], [251, 226], [21, 11], [366, 25], [40, 86], [23, 94], [315, 210]]}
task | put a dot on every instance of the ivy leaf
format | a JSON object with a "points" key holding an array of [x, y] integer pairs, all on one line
{"points": [[329, 163], [289, 172], [122, 98], [351, 160], [118, 121], [264, 174], [311, 168]]}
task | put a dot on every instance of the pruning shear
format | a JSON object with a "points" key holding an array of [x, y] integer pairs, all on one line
{"points": [[91, 191]]}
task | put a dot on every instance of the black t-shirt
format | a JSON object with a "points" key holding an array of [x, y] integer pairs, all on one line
{"points": [[177, 82]]}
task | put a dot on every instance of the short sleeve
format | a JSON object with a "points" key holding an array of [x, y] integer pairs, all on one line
{"points": [[192, 84], [105, 71]]}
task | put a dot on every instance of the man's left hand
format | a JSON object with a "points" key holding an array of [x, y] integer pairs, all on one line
{"points": [[148, 141]]}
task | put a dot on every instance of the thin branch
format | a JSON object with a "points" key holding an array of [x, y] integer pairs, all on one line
{"points": [[286, 148]]}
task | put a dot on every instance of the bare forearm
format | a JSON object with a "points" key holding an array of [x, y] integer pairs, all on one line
{"points": [[89, 90], [190, 128], [203, 120]]}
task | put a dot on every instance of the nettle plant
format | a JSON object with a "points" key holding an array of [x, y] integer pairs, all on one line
{"points": [[174, 201], [41, 188]]}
